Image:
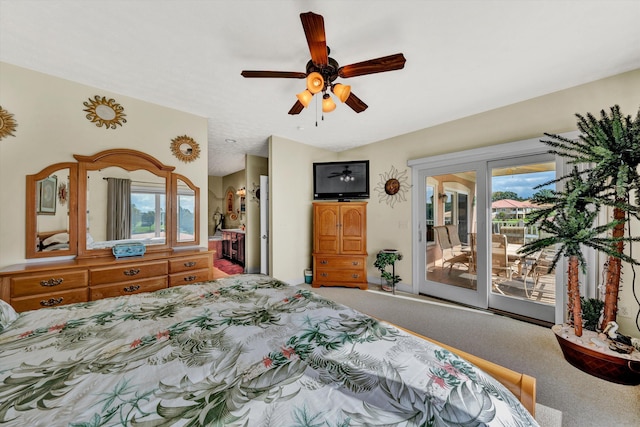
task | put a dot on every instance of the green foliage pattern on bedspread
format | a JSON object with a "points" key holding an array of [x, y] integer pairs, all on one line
{"points": [[245, 350]]}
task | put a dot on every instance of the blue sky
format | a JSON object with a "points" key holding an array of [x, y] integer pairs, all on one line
{"points": [[522, 184]]}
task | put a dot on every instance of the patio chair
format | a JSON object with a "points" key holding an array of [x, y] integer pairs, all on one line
{"points": [[541, 266], [500, 263], [451, 254]]}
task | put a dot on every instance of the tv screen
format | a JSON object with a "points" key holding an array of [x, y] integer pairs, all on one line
{"points": [[341, 180]]}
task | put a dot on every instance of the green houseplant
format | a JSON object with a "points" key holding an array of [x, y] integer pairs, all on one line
{"points": [[608, 149], [385, 259]]}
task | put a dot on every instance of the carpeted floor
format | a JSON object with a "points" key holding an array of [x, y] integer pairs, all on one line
{"points": [[572, 396], [228, 266]]}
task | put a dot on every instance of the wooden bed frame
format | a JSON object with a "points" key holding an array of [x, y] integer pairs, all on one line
{"points": [[521, 385]]}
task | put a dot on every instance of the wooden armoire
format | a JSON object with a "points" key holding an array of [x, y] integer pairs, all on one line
{"points": [[340, 244]]}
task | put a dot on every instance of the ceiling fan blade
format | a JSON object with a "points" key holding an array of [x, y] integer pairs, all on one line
{"points": [[316, 39], [356, 103], [377, 65], [297, 108], [274, 74]]}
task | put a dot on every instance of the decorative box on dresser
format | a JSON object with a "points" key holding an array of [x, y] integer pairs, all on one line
{"points": [[47, 284], [340, 244]]}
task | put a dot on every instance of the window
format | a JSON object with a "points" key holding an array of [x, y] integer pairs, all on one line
{"points": [[148, 217]]}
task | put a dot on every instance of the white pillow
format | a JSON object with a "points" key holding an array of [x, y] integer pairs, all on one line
{"points": [[7, 315], [56, 238]]}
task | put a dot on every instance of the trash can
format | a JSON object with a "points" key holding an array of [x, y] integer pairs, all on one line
{"points": [[308, 276]]}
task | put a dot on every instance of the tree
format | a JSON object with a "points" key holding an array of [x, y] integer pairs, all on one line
{"points": [[502, 195], [545, 192], [610, 148]]}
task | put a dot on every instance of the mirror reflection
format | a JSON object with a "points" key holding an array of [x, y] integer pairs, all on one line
{"points": [[125, 206], [186, 213], [52, 212]]}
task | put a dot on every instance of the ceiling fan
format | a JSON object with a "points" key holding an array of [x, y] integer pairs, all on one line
{"points": [[322, 70], [345, 175]]}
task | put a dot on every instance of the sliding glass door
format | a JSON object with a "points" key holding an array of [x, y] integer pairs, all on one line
{"points": [[448, 265], [471, 219], [519, 284]]}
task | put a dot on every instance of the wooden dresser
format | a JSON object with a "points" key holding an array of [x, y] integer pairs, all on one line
{"points": [[340, 244], [48, 284]]}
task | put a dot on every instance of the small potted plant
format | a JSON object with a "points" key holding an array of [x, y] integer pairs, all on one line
{"points": [[385, 258], [609, 147]]}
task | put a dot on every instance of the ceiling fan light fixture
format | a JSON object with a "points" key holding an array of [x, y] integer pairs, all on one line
{"points": [[305, 97], [341, 91], [315, 82], [327, 103]]}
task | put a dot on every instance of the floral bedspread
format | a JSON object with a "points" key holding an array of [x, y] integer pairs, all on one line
{"points": [[244, 351]]}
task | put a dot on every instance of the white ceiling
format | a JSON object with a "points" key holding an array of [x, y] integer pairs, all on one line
{"points": [[463, 57]]}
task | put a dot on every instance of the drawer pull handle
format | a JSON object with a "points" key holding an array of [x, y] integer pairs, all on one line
{"points": [[355, 276], [190, 278], [51, 282], [51, 302], [324, 274], [131, 288], [189, 263], [132, 272], [324, 262], [355, 263]]}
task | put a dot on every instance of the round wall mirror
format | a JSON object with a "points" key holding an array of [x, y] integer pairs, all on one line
{"points": [[185, 148]]}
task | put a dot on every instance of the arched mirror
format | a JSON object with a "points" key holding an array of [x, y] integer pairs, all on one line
{"points": [[187, 211], [51, 212], [124, 198]]}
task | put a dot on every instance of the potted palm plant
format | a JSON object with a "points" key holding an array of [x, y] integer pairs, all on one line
{"points": [[609, 149]]}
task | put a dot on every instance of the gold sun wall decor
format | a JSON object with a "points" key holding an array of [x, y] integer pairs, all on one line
{"points": [[7, 123], [392, 187], [185, 148], [104, 112], [63, 193]]}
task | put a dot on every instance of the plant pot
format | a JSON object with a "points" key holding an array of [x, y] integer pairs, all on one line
{"points": [[387, 286], [602, 363]]}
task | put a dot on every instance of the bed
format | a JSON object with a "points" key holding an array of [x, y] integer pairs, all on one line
{"points": [[246, 350], [48, 241]]}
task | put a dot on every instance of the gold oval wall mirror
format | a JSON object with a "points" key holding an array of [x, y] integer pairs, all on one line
{"points": [[104, 112], [185, 148]]}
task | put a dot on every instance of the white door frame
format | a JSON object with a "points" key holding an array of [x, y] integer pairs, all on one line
{"points": [[264, 224], [420, 168]]}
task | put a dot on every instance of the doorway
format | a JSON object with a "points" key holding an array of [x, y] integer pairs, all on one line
{"points": [[471, 220]]}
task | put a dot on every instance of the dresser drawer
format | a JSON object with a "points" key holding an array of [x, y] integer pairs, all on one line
{"points": [[196, 262], [53, 299], [340, 262], [189, 277], [127, 272], [341, 276], [49, 282], [127, 288]]}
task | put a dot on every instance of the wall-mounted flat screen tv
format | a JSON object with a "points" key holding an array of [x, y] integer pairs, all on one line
{"points": [[341, 180]]}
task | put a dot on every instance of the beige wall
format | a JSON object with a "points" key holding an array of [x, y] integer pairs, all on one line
{"points": [[255, 166], [52, 127], [291, 195], [391, 227]]}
